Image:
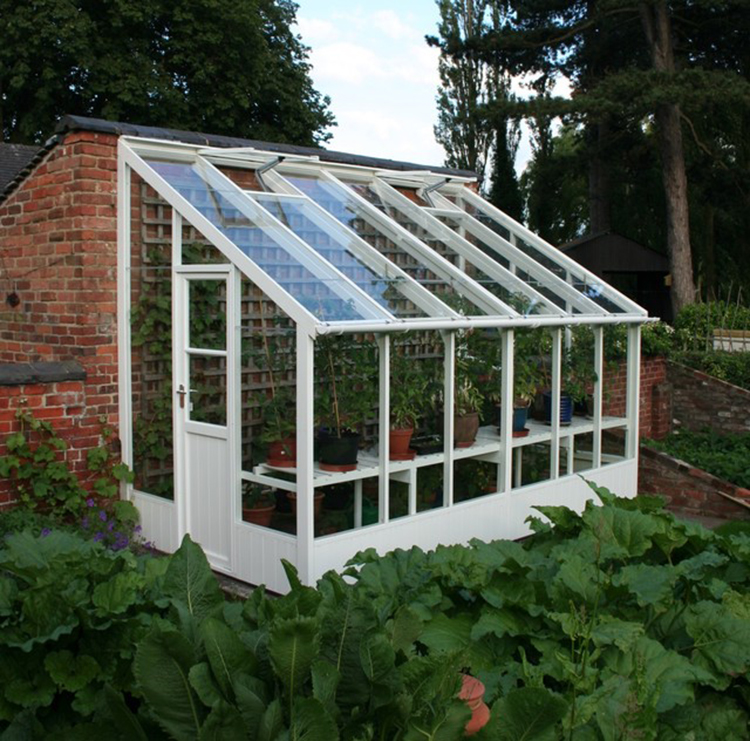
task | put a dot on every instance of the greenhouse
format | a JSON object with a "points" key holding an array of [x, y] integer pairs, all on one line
{"points": [[323, 357]]}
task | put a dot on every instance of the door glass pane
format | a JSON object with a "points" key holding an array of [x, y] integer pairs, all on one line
{"points": [[208, 389], [208, 306]]}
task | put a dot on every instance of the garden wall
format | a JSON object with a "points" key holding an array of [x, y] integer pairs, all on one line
{"points": [[655, 410], [689, 491], [58, 237], [700, 400]]}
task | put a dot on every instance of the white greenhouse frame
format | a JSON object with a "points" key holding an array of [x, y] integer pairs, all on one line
{"points": [[511, 256]]}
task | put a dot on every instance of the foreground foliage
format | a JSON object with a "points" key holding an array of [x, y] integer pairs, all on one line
{"points": [[619, 623]]}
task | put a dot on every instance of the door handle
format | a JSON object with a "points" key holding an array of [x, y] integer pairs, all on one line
{"points": [[182, 392]]}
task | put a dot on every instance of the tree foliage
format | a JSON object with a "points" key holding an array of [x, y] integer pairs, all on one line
{"points": [[221, 66]]}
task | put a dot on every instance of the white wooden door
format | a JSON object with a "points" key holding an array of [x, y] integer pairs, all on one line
{"points": [[205, 378]]}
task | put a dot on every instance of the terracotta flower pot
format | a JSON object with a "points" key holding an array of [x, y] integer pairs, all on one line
{"points": [[317, 502], [399, 440], [465, 428], [259, 515], [472, 693], [283, 453]]}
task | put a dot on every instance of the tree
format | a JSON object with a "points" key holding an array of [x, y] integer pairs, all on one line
{"points": [[224, 66], [638, 62], [471, 139]]}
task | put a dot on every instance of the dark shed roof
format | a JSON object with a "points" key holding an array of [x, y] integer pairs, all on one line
{"points": [[608, 252], [82, 123], [13, 159]]}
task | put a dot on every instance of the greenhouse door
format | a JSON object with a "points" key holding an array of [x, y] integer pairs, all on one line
{"points": [[204, 377]]}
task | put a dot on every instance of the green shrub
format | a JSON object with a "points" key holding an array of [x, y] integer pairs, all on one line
{"points": [[696, 322], [726, 456], [732, 367]]}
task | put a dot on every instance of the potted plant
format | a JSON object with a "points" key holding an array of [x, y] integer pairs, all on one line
{"points": [[258, 504], [344, 400], [468, 401], [527, 378], [408, 392], [318, 497], [277, 402]]}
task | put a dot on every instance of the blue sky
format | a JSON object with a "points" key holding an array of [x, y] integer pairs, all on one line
{"points": [[372, 60]]}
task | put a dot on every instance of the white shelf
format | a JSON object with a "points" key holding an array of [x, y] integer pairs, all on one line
{"points": [[488, 444]]}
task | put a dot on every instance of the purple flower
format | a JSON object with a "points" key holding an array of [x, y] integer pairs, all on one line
{"points": [[45, 532], [90, 502], [85, 523], [137, 529], [111, 526], [98, 536], [102, 515]]}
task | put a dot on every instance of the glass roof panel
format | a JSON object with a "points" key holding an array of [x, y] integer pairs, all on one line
{"points": [[343, 206], [311, 282], [299, 215], [593, 289], [512, 292]]}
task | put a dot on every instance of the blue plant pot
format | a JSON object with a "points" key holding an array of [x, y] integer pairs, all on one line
{"points": [[566, 408], [520, 415]]}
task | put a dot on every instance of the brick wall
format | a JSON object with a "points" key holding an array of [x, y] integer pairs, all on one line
{"points": [[699, 401], [689, 491], [59, 247], [655, 413]]}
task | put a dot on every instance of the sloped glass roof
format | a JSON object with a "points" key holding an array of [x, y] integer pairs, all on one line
{"points": [[355, 248]]}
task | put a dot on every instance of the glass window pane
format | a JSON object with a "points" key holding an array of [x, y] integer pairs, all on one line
{"points": [[343, 206], [208, 389], [311, 282], [299, 216], [208, 326]]}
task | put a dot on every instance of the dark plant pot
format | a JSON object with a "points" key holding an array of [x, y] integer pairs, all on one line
{"points": [[283, 453], [259, 515], [465, 428], [398, 442], [566, 408], [520, 415], [338, 453], [427, 445], [317, 502], [282, 502], [584, 407], [338, 497]]}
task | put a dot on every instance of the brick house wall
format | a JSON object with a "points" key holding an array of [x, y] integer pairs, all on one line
{"points": [[59, 256]]}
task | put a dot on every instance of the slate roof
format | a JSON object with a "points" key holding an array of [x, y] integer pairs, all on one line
{"points": [[83, 123], [14, 158]]}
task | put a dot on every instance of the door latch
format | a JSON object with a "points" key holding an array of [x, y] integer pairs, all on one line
{"points": [[182, 393]]}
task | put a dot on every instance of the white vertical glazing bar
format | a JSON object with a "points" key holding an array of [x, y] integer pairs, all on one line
{"points": [[179, 377], [358, 503], [554, 458], [413, 473], [124, 369], [449, 381], [506, 424], [632, 405], [234, 397], [305, 524], [518, 475], [598, 386], [384, 427]]}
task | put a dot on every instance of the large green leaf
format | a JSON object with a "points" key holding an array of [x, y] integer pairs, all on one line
{"points": [[311, 722], [721, 640], [529, 714], [190, 583], [444, 634], [71, 672], [272, 722], [621, 533], [292, 646], [203, 682], [612, 631], [126, 723], [651, 585], [578, 578], [251, 707], [224, 723], [161, 668], [227, 654], [118, 593]]}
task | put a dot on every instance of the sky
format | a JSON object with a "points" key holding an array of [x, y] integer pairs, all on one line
{"points": [[371, 59]]}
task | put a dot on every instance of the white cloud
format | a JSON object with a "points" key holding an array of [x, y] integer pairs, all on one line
{"points": [[390, 24], [346, 62], [315, 31]]}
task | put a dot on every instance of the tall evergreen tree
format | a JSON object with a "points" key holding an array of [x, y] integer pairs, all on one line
{"points": [[471, 138], [223, 66], [635, 62]]}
